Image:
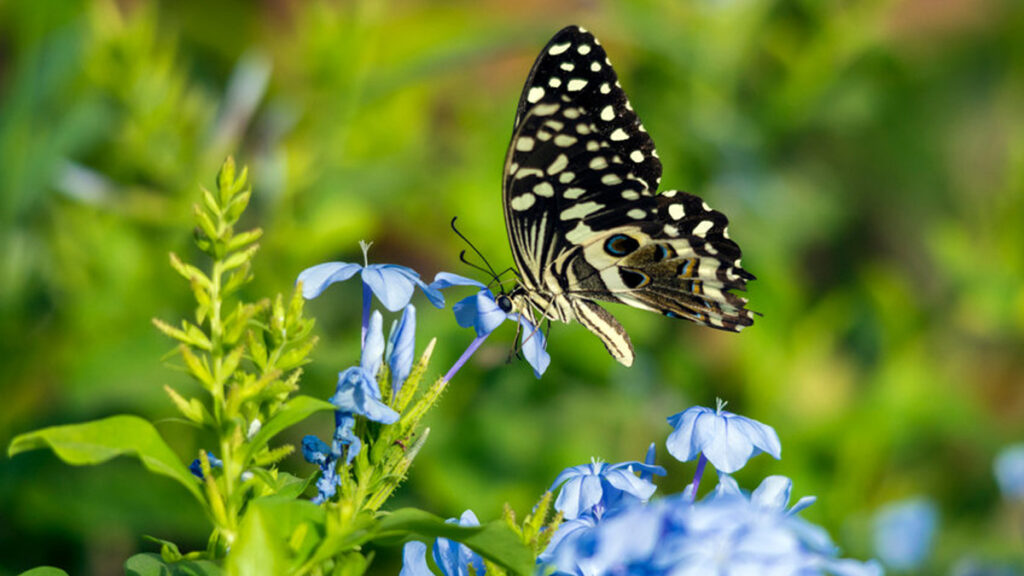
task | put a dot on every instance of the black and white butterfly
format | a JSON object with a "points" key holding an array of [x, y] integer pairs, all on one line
{"points": [[583, 217]]}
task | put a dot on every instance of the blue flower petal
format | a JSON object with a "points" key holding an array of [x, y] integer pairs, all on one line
{"points": [[414, 560], [444, 280], [315, 450], [726, 439], [316, 279], [357, 393], [904, 532], [680, 442], [479, 311], [1009, 470], [432, 294], [773, 494], [533, 345], [403, 346], [564, 538], [454, 559], [373, 348], [392, 284]]}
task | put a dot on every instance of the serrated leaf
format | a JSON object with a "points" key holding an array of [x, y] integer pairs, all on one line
{"points": [[171, 331], [245, 238], [101, 440], [239, 258], [205, 224], [197, 367], [238, 204], [192, 410]]}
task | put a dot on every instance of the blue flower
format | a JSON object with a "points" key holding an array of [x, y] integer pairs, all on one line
{"points": [[725, 536], [598, 487], [725, 439], [358, 391], [903, 533], [196, 467], [392, 284], [482, 312], [1009, 469], [452, 558], [401, 347], [315, 451]]}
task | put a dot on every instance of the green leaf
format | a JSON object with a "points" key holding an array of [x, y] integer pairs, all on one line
{"points": [[494, 541], [44, 571], [149, 564], [101, 440], [296, 410], [266, 543]]}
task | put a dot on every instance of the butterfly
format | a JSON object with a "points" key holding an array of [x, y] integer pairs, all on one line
{"points": [[584, 221]]}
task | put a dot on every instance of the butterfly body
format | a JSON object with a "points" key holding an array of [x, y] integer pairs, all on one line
{"points": [[583, 219]]}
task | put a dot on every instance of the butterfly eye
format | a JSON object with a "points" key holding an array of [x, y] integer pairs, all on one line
{"points": [[505, 303], [620, 245]]}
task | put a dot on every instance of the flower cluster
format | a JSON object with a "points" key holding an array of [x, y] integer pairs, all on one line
{"points": [[359, 389], [611, 526]]}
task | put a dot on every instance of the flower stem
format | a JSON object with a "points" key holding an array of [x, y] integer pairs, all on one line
{"points": [[701, 462], [465, 356]]}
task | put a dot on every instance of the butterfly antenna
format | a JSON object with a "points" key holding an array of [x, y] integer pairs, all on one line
{"points": [[474, 248], [462, 256]]}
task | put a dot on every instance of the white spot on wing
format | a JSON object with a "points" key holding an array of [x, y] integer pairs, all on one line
{"points": [[524, 144], [564, 140], [567, 66], [598, 163], [595, 66], [573, 193], [630, 195], [576, 84], [702, 228], [544, 189], [523, 202], [608, 113], [566, 177], [558, 164], [671, 230], [535, 94], [636, 156], [605, 88], [544, 109], [611, 179], [580, 210], [559, 48], [579, 233], [555, 82], [676, 211], [636, 214], [619, 134], [583, 49]]}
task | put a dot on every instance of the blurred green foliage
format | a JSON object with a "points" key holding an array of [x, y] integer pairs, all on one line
{"points": [[870, 155]]}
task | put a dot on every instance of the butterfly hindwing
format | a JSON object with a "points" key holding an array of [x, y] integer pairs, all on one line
{"points": [[583, 219]]}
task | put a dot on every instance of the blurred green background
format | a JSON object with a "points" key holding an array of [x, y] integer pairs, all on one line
{"points": [[870, 156]]}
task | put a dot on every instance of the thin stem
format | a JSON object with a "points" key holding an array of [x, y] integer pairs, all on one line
{"points": [[701, 462], [465, 356]]}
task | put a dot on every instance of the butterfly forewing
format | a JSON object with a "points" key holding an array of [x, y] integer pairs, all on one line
{"points": [[583, 220]]}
